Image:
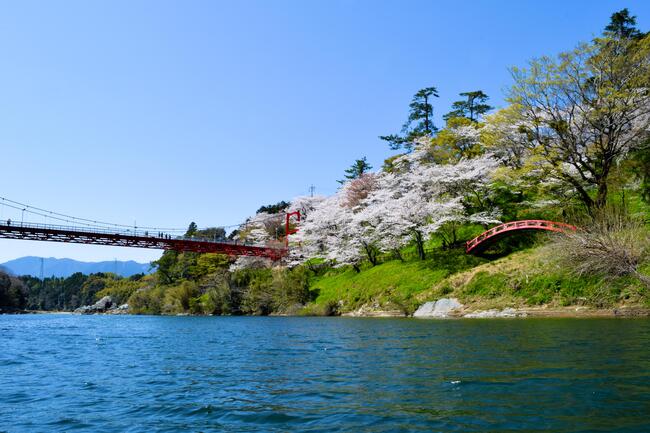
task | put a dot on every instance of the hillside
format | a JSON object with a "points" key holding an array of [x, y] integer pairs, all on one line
{"points": [[528, 278]]}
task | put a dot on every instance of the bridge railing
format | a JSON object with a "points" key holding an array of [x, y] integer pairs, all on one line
{"points": [[515, 225], [155, 235]]}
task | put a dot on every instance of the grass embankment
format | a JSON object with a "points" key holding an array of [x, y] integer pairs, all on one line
{"points": [[522, 279]]}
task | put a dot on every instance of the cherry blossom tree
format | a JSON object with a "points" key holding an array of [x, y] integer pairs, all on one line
{"points": [[418, 198], [391, 209], [327, 232]]}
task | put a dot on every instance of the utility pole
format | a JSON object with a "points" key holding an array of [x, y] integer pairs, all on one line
{"points": [[42, 266], [312, 188]]}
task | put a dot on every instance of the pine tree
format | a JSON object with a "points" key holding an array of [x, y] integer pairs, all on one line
{"points": [[419, 123], [623, 25], [355, 171], [471, 108], [191, 230]]}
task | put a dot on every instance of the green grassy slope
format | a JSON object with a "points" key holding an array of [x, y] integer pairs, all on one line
{"points": [[524, 278]]}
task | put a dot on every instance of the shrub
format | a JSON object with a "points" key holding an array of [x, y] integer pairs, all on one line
{"points": [[611, 243], [146, 301], [178, 299]]}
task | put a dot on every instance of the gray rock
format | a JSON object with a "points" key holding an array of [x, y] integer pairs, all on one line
{"points": [[100, 306], [103, 304], [441, 308], [506, 312]]}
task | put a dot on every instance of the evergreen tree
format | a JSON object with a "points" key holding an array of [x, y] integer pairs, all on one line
{"points": [[421, 112], [274, 208], [471, 108], [419, 122], [622, 25], [355, 171], [191, 230]]}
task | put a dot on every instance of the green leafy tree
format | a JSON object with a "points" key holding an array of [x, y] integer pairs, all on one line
{"points": [[88, 286], [274, 208], [178, 299], [458, 140], [419, 122], [586, 111], [472, 107], [218, 298], [5, 286], [165, 266], [357, 169], [212, 233]]}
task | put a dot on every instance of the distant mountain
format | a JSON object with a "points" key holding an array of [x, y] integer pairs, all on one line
{"points": [[66, 267]]}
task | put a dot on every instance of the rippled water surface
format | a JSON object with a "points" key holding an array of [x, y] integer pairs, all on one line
{"points": [[128, 373]]}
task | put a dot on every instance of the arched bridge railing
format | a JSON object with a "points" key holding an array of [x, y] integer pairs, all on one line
{"points": [[483, 240]]}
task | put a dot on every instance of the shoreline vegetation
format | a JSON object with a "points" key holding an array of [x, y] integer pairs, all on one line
{"points": [[572, 145], [543, 311]]}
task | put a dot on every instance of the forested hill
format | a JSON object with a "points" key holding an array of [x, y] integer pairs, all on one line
{"points": [[52, 267]]}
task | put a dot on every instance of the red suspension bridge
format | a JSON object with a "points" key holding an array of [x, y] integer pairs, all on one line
{"points": [[95, 236], [85, 231]]}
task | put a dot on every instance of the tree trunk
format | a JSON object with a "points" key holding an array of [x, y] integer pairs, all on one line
{"points": [[426, 115], [419, 242], [371, 253], [601, 196]]}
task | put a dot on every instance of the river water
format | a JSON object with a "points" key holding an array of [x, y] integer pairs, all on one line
{"points": [[130, 373]]}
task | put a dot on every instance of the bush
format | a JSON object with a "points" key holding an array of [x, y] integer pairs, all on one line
{"points": [[178, 299], [610, 244], [146, 301], [120, 290], [218, 296]]}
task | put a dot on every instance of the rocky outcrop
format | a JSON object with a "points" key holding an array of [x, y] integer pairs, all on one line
{"points": [[506, 312], [121, 309], [375, 310], [444, 307], [106, 305]]}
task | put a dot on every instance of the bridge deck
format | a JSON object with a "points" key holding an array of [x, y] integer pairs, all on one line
{"points": [[483, 240], [135, 239]]}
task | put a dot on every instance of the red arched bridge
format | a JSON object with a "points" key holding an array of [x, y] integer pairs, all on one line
{"points": [[487, 238]]}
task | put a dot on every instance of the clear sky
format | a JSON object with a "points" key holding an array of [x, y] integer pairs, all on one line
{"points": [[169, 112]]}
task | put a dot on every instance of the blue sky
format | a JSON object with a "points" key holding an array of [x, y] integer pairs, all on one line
{"points": [[169, 112]]}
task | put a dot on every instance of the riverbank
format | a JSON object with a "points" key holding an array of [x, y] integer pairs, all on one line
{"points": [[543, 311], [525, 283], [19, 311], [522, 284]]}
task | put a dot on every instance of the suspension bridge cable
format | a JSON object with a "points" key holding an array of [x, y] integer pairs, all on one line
{"points": [[70, 218], [57, 216]]}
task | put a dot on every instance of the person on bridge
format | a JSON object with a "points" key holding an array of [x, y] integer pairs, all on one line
{"points": [[9, 222]]}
